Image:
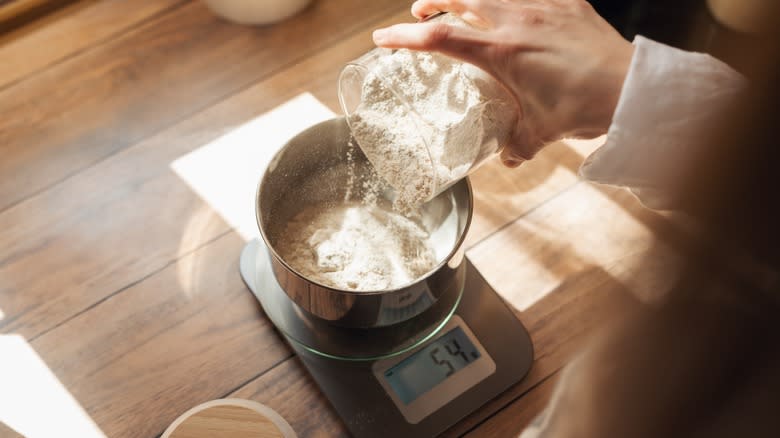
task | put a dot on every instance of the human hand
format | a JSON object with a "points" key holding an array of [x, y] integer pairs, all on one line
{"points": [[562, 62]]}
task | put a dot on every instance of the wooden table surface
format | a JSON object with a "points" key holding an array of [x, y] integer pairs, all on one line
{"points": [[132, 134]]}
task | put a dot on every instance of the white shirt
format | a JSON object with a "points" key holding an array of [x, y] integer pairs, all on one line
{"points": [[669, 98]]}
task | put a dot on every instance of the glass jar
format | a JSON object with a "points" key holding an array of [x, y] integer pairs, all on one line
{"points": [[424, 120]]}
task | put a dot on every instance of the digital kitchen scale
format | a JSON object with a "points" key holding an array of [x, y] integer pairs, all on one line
{"points": [[437, 369]]}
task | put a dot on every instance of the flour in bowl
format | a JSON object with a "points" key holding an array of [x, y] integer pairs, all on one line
{"points": [[357, 246]]}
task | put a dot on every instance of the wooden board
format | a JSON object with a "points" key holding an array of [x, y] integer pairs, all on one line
{"points": [[15, 13], [65, 33], [83, 110], [290, 391], [512, 420], [157, 349], [130, 188]]}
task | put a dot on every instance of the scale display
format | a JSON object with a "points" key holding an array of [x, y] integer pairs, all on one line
{"points": [[427, 368], [423, 381]]}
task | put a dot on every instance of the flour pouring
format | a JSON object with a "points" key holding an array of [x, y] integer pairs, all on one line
{"points": [[424, 120]]}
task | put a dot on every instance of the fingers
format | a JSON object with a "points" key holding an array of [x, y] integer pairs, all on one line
{"points": [[424, 8], [459, 42]]}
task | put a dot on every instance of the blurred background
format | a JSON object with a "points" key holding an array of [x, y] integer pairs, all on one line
{"points": [[718, 27]]}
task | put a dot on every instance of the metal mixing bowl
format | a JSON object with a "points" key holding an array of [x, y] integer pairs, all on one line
{"points": [[312, 169]]}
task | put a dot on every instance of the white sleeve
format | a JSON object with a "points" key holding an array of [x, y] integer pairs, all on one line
{"points": [[669, 100]]}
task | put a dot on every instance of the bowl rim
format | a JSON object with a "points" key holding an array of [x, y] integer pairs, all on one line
{"points": [[453, 252]]}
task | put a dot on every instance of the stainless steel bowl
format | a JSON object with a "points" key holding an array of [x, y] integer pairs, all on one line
{"points": [[312, 169]]}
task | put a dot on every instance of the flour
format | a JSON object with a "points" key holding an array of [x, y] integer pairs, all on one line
{"points": [[358, 242], [425, 120], [362, 185], [355, 246]]}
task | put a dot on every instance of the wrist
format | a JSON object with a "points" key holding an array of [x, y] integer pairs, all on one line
{"points": [[618, 65], [595, 115]]}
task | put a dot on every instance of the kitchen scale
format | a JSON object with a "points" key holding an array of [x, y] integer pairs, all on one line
{"points": [[413, 379]]}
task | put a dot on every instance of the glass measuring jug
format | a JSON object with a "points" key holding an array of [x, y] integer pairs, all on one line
{"points": [[424, 120]]}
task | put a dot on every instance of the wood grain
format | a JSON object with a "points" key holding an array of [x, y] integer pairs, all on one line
{"points": [[7, 432], [289, 390], [14, 13], [226, 419], [586, 227], [75, 29], [89, 107], [138, 360], [501, 195], [93, 215], [513, 419], [158, 364]]}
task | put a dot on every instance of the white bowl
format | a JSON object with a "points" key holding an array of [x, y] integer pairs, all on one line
{"points": [[256, 11]]}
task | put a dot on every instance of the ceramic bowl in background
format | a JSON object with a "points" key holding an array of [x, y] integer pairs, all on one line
{"points": [[256, 11]]}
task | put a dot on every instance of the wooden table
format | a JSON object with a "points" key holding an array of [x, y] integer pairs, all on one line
{"points": [[123, 125]]}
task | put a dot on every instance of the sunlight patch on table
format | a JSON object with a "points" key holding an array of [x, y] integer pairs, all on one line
{"points": [[33, 402], [585, 147], [581, 233], [225, 172], [524, 276]]}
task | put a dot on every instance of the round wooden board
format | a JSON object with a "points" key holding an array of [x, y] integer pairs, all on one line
{"points": [[235, 418]]}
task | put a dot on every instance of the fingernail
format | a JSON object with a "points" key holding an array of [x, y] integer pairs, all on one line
{"points": [[380, 36]]}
